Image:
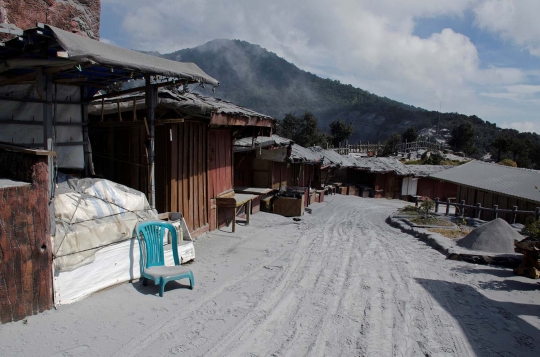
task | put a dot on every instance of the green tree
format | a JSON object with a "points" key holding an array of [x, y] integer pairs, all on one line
{"points": [[409, 135], [462, 138], [520, 151], [502, 144], [391, 145], [340, 131], [304, 130]]}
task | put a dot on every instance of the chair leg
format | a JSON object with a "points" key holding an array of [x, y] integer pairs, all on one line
{"points": [[162, 287], [145, 282], [191, 281]]}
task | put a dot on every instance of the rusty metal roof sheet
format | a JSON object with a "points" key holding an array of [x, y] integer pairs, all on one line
{"points": [[427, 170], [332, 158], [186, 103], [299, 153], [382, 165], [509, 181]]}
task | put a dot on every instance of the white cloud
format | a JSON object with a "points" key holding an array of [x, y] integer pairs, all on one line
{"points": [[370, 44], [513, 20], [107, 41], [524, 126]]}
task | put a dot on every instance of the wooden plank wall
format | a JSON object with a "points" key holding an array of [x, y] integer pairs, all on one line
{"points": [[243, 168], [428, 187], [25, 238], [120, 155], [220, 171], [279, 174], [185, 180], [472, 196]]}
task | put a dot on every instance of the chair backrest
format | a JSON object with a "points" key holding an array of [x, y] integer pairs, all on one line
{"points": [[150, 236]]}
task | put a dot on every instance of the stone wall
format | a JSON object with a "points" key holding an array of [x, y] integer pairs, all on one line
{"points": [[25, 237], [78, 16]]}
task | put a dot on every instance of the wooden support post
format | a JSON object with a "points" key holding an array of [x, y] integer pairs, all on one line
{"points": [[447, 206], [514, 214], [436, 204], [478, 210], [47, 88], [462, 208], [151, 99], [248, 212], [84, 117], [537, 213], [102, 108], [234, 220], [134, 109], [416, 201], [118, 108], [496, 211]]}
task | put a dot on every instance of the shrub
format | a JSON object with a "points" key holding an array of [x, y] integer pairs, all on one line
{"points": [[426, 208], [508, 162], [531, 228]]}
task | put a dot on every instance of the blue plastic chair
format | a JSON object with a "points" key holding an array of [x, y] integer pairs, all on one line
{"points": [[150, 236]]}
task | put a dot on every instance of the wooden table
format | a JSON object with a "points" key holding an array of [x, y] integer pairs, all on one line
{"points": [[253, 190], [235, 201], [263, 194]]}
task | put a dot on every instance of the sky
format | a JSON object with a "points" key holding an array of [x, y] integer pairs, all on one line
{"points": [[476, 57]]}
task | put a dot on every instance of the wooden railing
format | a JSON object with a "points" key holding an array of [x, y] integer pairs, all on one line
{"points": [[478, 209], [401, 147]]}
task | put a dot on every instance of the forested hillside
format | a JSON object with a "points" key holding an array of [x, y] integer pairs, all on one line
{"points": [[256, 78]]}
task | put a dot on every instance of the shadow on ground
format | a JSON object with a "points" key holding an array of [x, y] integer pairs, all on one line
{"points": [[493, 328], [153, 289]]}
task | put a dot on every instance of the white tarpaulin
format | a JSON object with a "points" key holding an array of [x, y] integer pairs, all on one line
{"points": [[95, 244], [91, 214]]}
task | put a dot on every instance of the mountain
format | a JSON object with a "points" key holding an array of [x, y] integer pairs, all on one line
{"points": [[253, 77]]}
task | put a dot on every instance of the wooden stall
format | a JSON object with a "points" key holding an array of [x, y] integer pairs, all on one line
{"points": [[277, 163], [193, 154], [491, 184]]}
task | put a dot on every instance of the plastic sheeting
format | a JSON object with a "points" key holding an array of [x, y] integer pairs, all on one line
{"points": [[84, 49], [91, 214], [67, 156]]}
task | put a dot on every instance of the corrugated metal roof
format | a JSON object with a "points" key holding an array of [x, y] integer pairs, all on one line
{"points": [[330, 157], [381, 165], [426, 170], [188, 103], [510, 181], [299, 153]]}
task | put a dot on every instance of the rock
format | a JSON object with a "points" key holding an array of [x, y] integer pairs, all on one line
{"points": [[496, 236], [77, 16]]}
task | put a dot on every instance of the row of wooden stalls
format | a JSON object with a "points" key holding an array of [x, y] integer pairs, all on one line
{"points": [[96, 161], [382, 177], [285, 176]]}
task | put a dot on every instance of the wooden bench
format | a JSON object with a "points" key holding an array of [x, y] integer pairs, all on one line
{"points": [[235, 201]]}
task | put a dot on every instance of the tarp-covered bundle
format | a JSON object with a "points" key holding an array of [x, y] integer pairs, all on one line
{"points": [[91, 214]]}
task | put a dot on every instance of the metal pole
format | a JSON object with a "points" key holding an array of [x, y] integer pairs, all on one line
{"points": [[151, 99]]}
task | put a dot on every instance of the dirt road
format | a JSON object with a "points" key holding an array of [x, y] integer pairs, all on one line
{"points": [[341, 282]]}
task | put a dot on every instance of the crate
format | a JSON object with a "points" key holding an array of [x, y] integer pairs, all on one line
{"points": [[288, 206]]}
